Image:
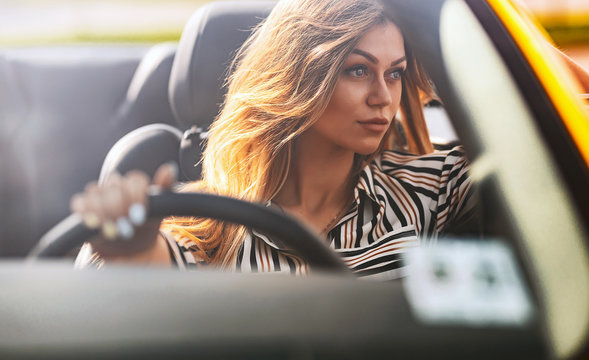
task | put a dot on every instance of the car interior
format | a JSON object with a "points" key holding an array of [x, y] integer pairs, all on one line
{"points": [[144, 106], [141, 102]]}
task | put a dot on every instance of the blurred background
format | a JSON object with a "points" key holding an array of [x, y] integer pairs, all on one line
{"points": [[38, 22], [59, 22], [567, 22]]}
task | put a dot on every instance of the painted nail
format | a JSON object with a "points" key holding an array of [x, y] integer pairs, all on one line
{"points": [[109, 230], [137, 214], [91, 221], [124, 228]]}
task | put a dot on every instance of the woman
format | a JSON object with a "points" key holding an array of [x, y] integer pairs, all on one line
{"points": [[310, 111]]}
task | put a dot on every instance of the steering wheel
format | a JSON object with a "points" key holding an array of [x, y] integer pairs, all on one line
{"points": [[71, 232]]}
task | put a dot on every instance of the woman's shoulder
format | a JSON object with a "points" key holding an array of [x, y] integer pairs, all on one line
{"points": [[435, 163], [441, 177], [427, 176]]}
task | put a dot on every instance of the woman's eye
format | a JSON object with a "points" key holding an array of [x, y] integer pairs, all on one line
{"points": [[396, 74], [358, 71]]}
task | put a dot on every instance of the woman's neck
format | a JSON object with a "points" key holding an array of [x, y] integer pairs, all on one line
{"points": [[320, 178]]}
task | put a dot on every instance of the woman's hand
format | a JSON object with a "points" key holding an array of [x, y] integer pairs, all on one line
{"points": [[119, 209]]}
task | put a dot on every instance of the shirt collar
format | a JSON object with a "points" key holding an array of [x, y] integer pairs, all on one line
{"points": [[365, 185], [274, 243]]}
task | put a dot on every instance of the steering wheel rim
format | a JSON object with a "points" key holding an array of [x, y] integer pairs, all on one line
{"points": [[72, 232]]}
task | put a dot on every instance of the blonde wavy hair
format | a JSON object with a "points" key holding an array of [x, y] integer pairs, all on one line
{"points": [[284, 77]]}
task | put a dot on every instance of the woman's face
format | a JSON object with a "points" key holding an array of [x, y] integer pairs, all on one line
{"points": [[367, 93]]}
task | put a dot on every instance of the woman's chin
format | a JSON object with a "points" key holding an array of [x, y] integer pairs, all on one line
{"points": [[367, 149]]}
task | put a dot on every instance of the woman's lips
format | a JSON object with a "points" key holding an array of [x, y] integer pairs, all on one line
{"points": [[375, 125]]}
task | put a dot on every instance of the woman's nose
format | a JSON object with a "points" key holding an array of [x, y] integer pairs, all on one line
{"points": [[380, 93]]}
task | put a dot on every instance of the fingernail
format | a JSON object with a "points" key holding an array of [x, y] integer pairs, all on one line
{"points": [[91, 221], [137, 214], [109, 230], [124, 228]]}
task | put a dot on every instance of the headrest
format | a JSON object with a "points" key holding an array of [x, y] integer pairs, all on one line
{"points": [[143, 149], [208, 44]]}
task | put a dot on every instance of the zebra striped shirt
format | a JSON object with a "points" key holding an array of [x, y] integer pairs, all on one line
{"points": [[401, 201]]}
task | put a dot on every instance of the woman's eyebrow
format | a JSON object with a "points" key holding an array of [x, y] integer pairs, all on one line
{"points": [[398, 61], [373, 59]]}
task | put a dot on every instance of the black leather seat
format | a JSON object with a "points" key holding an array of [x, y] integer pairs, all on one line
{"points": [[201, 63], [146, 101], [55, 104]]}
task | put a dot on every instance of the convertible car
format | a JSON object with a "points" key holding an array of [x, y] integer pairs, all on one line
{"points": [[514, 286]]}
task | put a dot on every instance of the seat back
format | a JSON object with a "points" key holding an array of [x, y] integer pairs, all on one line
{"points": [[15, 191], [146, 101], [208, 44], [55, 103], [200, 66]]}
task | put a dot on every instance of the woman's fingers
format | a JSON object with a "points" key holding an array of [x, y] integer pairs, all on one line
{"points": [[77, 203], [136, 184], [119, 205], [166, 175], [115, 204], [91, 207]]}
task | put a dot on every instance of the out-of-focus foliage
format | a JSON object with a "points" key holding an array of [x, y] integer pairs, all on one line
{"points": [[567, 21], [41, 22]]}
